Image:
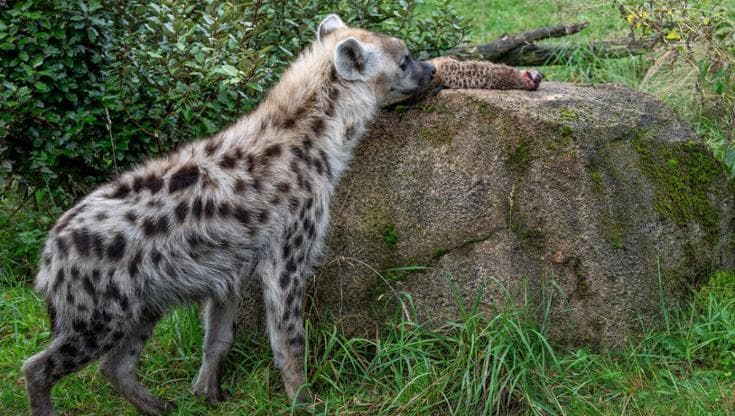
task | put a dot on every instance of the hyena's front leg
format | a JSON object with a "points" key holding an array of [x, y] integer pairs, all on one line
{"points": [[219, 323], [452, 73], [283, 288]]}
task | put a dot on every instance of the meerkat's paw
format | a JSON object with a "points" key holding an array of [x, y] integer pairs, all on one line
{"points": [[534, 78]]}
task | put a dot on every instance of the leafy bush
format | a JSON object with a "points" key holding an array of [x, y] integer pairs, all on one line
{"points": [[89, 89], [701, 34]]}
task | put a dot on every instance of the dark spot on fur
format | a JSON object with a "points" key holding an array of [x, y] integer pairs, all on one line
{"points": [[297, 341], [99, 244], [283, 187], [134, 264], [69, 295], [294, 165], [153, 183], [100, 216], [120, 192], [58, 281], [196, 208], [243, 215], [183, 178], [74, 273], [306, 185], [285, 250], [289, 122], [131, 216], [95, 275], [81, 241], [251, 163], [334, 94], [298, 240], [209, 208], [325, 161], [91, 344], [116, 249], [228, 161], [224, 209], [137, 184], [152, 227], [62, 245], [284, 280], [181, 211], [317, 126], [293, 204], [272, 151], [298, 152], [255, 183], [78, 325], [291, 266], [155, 256], [68, 349], [240, 185], [88, 287], [263, 216], [212, 146]]}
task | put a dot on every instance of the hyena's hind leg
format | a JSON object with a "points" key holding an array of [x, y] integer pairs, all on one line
{"points": [[219, 326], [120, 365], [66, 354], [283, 292]]}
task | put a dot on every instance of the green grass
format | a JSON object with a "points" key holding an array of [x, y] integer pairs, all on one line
{"points": [[480, 364]]}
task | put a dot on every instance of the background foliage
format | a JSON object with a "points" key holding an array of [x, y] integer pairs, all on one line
{"points": [[89, 88]]}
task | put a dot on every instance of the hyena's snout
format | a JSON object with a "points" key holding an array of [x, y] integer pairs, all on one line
{"points": [[423, 75], [429, 71]]}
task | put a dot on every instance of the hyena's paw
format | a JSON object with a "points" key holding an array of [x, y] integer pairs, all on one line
{"points": [[211, 395], [533, 78]]}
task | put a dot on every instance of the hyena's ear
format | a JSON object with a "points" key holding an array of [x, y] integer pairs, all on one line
{"points": [[353, 61], [329, 25]]}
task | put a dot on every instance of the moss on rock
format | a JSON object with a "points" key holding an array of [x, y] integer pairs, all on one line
{"points": [[684, 175]]}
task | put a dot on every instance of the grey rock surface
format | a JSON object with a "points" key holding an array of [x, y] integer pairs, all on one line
{"points": [[597, 200]]}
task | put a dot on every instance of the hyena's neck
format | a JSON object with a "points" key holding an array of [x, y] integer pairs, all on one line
{"points": [[311, 101]]}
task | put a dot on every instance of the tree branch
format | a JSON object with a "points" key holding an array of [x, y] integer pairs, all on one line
{"points": [[520, 50]]}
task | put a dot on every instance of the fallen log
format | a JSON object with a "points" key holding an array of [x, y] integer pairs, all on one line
{"points": [[520, 50], [536, 55]]}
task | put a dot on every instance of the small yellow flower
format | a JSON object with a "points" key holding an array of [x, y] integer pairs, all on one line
{"points": [[673, 35]]}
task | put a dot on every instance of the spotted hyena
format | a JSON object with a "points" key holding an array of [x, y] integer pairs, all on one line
{"points": [[252, 200]]}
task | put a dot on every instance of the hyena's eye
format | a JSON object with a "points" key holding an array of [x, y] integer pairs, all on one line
{"points": [[404, 63]]}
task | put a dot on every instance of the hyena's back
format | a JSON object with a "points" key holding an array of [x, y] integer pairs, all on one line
{"points": [[172, 231]]}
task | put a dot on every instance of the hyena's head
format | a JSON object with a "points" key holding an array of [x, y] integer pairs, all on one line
{"points": [[382, 62]]}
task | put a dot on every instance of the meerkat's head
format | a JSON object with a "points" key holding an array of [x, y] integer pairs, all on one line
{"points": [[382, 62]]}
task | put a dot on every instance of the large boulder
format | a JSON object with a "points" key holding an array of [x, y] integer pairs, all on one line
{"points": [[595, 199]]}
